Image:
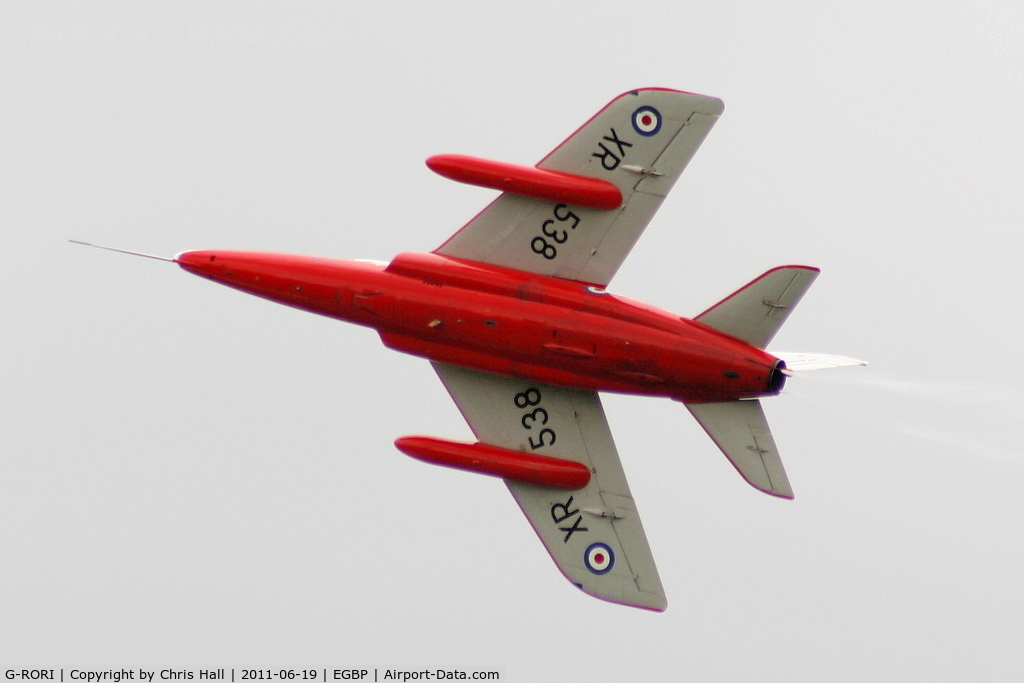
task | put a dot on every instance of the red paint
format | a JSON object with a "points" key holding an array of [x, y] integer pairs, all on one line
{"points": [[507, 322], [499, 462], [528, 181]]}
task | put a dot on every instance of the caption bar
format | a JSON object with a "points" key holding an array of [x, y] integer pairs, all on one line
{"points": [[325, 675]]}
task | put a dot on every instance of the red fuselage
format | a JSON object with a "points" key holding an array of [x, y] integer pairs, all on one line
{"points": [[508, 322]]}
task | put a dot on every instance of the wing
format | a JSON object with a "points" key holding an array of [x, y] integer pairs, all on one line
{"points": [[740, 429], [593, 534], [640, 142]]}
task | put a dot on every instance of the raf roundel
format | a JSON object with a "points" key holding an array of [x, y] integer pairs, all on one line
{"points": [[646, 121], [599, 558]]}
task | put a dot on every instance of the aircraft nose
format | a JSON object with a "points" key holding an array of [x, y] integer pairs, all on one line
{"points": [[203, 263]]}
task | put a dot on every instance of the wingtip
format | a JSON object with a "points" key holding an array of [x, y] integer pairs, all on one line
{"points": [[660, 604]]}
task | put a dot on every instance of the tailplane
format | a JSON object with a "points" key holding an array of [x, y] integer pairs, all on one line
{"points": [[755, 312], [739, 428]]}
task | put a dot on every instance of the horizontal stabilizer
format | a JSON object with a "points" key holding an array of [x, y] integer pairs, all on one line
{"points": [[756, 312], [740, 429]]}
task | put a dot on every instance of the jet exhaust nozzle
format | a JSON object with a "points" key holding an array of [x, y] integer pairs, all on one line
{"points": [[777, 380]]}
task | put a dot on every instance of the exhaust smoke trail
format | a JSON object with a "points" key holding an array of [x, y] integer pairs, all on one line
{"points": [[973, 418]]}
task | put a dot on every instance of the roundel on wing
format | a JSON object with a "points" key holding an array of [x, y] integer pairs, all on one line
{"points": [[599, 558], [647, 121]]}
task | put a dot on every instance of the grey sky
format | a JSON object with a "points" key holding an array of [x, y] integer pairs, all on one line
{"points": [[190, 476]]}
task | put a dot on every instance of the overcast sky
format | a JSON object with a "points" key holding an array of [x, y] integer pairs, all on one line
{"points": [[193, 477]]}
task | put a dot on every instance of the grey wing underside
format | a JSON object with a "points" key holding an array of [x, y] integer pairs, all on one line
{"points": [[593, 534], [587, 244]]}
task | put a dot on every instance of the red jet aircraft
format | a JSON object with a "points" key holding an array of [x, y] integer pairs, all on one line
{"points": [[513, 314]]}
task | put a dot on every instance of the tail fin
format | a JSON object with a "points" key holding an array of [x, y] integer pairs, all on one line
{"points": [[756, 311], [739, 428]]}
